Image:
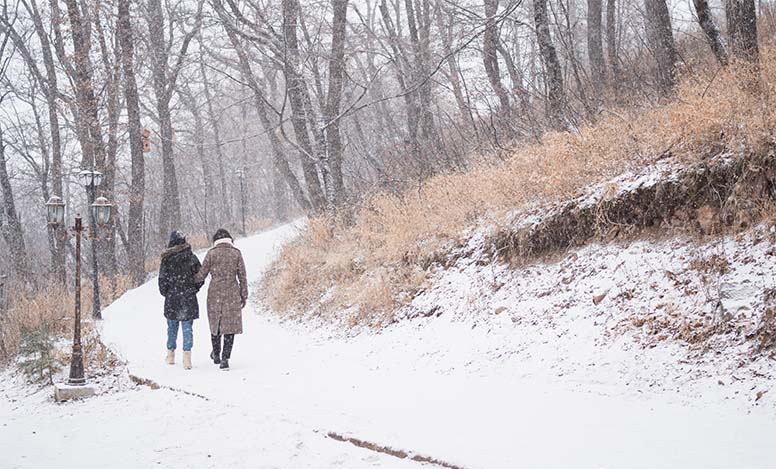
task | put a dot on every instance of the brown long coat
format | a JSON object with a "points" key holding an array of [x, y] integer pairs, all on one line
{"points": [[228, 290]]}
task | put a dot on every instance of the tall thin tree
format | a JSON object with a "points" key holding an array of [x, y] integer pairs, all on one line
{"points": [[595, 50], [742, 28], [164, 80], [490, 42], [556, 99], [137, 187], [661, 40], [710, 29]]}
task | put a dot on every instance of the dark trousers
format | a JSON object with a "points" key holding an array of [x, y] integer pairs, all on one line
{"points": [[228, 344]]}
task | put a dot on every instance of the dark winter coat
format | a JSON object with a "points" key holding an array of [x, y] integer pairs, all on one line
{"points": [[177, 283], [228, 290]]}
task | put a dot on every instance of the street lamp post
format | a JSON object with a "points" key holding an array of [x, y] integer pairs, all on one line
{"points": [[90, 179], [2, 293], [55, 215], [241, 176], [77, 358]]}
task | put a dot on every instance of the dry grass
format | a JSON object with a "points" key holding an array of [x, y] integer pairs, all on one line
{"points": [[56, 306], [765, 334], [378, 262], [27, 311]]}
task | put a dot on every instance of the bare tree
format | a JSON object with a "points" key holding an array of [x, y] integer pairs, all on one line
{"points": [[87, 112], [50, 88], [710, 29], [742, 28], [595, 50], [13, 233], [165, 78], [281, 164], [137, 188], [490, 54], [661, 40], [226, 208], [556, 100], [112, 77], [334, 98], [611, 43]]}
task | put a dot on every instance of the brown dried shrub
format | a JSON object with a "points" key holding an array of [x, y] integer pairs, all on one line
{"points": [[55, 306], [765, 334], [399, 233], [714, 264]]}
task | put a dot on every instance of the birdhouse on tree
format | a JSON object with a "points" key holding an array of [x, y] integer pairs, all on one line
{"points": [[146, 141]]}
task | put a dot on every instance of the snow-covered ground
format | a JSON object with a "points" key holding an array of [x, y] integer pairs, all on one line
{"points": [[496, 369]]}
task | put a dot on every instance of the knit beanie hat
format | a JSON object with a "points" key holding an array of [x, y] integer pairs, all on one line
{"points": [[176, 238]]}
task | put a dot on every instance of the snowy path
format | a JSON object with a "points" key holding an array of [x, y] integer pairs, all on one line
{"points": [[410, 388]]}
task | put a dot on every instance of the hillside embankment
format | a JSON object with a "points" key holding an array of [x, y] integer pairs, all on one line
{"points": [[699, 165]]}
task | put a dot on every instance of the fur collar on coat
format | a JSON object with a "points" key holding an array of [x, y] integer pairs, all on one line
{"points": [[175, 250]]}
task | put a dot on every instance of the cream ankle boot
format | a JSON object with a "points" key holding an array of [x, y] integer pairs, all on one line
{"points": [[170, 357], [187, 360]]}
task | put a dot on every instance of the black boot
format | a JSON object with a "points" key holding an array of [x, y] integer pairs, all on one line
{"points": [[215, 355], [227, 353]]}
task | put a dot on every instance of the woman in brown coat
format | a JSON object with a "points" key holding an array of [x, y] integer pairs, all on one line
{"points": [[226, 296]]}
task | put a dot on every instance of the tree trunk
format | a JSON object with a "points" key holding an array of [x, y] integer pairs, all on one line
{"points": [[556, 100], [595, 50], [170, 213], [742, 28], [52, 91], [710, 29], [207, 176], [86, 100], [490, 42], [91, 131], [568, 43], [402, 67], [55, 237], [12, 233], [112, 77], [422, 45], [611, 43], [226, 209], [453, 71], [137, 188], [334, 96], [294, 88], [279, 160], [661, 39]]}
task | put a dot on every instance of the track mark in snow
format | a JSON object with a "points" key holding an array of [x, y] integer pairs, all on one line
{"points": [[154, 385], [397, 453], [144, 382]]}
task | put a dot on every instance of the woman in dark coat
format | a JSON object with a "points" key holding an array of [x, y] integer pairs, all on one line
{"points": [[226, 295], [179, 287]]}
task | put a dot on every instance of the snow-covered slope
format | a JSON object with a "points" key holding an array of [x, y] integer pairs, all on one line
{"points": [[678, 315], [491, 369]]}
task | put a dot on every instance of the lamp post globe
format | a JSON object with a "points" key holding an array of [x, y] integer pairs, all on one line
{"points": [[55, 211], [90, 178], [102, 209]]}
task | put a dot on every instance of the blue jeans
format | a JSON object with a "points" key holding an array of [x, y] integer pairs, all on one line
{"points": [[172, 334]]}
